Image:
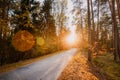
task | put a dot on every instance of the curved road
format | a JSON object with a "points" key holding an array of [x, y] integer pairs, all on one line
{"points": [[47, 69]]}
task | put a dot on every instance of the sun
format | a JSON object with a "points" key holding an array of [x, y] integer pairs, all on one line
{"points": [[71, 39]]}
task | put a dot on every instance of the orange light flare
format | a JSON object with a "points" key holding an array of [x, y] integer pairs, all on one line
{"points": [[71, 38]]}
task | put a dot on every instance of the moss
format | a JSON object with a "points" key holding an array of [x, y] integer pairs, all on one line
{"points": [[106, 63]]}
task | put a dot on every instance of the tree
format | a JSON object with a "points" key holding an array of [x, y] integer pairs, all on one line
{"points": [[115, 31], [98, 27], [93, 23], [89, 32], [59, 13], [49, 20], [118, 9], [59, 8], [22, 14], [79, 12], [4, 31], [35, 9]]}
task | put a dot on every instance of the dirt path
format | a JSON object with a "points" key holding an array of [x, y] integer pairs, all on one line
{"points": [[78, 69]]}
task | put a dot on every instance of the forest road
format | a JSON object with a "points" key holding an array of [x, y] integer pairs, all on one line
{"points": [[47, 69]]}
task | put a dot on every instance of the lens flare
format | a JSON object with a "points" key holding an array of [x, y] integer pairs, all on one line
{"points": [[71, 39]]}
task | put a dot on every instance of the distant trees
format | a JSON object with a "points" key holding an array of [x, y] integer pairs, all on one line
{"points": [[106, 31], [79, 12], [49, 20], [102, 27], [59, 9]]}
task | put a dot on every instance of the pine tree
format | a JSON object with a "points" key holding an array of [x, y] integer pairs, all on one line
{"points": [[49, 22], [22, 15], [89, 32]]}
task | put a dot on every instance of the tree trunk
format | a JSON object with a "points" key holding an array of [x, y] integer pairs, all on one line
{"points": [[98, 20], [118, 9], [115, 31], [82, 27], [89, 33], [93, 25]]}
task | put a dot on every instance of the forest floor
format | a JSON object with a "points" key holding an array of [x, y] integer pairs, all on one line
{"points": [[80, 69]]}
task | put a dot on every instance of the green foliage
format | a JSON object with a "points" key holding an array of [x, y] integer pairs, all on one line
{"points": [[49, 46], [47, 30], [22, 17], [107, 64]]}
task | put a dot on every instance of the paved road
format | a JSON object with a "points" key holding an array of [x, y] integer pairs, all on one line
{"points": [[47, 69]]}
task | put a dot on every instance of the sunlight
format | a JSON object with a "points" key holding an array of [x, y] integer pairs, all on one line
{"points": [[71, 39]]}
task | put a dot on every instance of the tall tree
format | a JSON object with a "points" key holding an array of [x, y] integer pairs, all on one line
{"points": [[98, 19], [21, 17], [89, 32], [49, 20], [4, 30], [115, 31], [79, 16], [118, 8], [3, 7], [59, 9], [93, 24], [59, 14]]}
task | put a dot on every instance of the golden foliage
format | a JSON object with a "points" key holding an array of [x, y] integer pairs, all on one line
{"points": [[40, 41], [23, 41]]}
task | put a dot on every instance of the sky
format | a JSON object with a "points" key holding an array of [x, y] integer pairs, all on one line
{"points": [[70, 14]]}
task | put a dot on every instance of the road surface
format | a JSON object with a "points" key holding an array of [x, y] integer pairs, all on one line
{"points": [[47, 69]]}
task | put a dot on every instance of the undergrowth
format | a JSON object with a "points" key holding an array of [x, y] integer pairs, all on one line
{"points": [[107, 64]]}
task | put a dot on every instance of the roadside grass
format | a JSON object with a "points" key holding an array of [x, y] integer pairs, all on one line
{"points": [[12, 66], [107, 64]]}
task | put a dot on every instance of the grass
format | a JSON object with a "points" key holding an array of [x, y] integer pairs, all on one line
{"points": [[107, 64], [12, 66]]}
